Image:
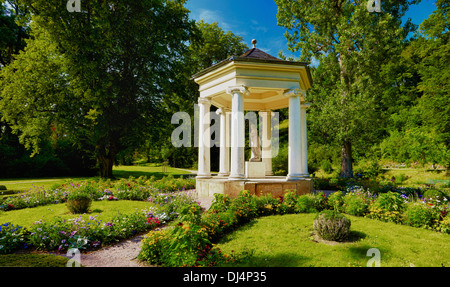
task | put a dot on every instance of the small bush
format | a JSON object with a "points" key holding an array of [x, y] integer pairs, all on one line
{"points": [[11, 238], [221, 202], [288, 201], [78, 202], [357, 203], [331, 225], [387, 207], [420, 214], [444, 225], [312, 202], [336, 201]]}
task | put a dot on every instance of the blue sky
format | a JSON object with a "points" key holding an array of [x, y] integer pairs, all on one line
{"points": [[257, 19]]}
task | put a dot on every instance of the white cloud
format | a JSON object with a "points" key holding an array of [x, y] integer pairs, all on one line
{"points": [[211, 16]]}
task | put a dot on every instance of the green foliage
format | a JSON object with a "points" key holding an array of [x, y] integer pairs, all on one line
{"points": [[421, 214], [357, 203], [444, 226], [331, 225], [79, 202], [336, 201], [312, 202], [100, 83], [351, 45], [387, 207], [11, 238]]}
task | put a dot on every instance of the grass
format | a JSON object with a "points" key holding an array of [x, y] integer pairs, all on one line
{"points": [[286, 241], [21, 184], [146, 170], [33, 260], [105, 210], [415, 176]]}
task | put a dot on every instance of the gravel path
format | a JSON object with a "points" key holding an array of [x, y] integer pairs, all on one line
{"points": [[124, 254]]}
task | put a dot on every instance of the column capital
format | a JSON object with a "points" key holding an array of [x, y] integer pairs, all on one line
{"points": [[241, 89], [294, 93], [204, 101], [305, 105], [220, 111]]}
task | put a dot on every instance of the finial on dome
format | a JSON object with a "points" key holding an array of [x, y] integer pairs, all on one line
{"points": [[254, 43]]}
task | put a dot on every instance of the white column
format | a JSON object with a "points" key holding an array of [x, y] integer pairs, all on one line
{"points": [[266, 140], [304, 140], [295, 143], [237, 132], [227, 140], [223, 171], [204, 164]]}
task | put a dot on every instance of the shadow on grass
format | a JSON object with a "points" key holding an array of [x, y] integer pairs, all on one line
{"points": [[361, 254]]}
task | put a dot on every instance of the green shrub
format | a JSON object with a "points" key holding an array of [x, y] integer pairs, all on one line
{"points": [[421, 214], [288, 202], [387, 207], [331, 225], [266, 205], [244, 207], [389, 201], [368, 169], [153, 246], [11, 237], [2, 187], [444, 225], [221, 202], [336, 201], [310, 203], [357, 203], [78, 202]]}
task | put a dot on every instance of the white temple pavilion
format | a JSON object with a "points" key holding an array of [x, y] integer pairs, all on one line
{"points": [[254, 81]]}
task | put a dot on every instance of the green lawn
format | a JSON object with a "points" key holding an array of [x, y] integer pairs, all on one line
{"points": [[21, 184], [105, 210], [286, 241], [33, 260]]}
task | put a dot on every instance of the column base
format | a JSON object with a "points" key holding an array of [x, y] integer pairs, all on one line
{"points": [[237, 177], [223, 174], [294, 177], [203, 176]]}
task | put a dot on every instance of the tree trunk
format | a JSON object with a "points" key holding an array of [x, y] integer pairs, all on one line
{"points": [[346, 160], [105, 164]]}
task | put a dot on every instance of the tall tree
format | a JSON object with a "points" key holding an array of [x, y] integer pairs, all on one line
{"points": [[112, 60], [418, 85], [351, 44], [211, 46], [12, 35]]}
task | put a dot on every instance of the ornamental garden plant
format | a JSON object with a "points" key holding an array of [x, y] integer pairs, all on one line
{"points": [[175, 245]]}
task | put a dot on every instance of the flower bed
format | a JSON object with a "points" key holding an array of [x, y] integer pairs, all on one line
{"points": [[131, 189], [189, 240], [62, 234]]}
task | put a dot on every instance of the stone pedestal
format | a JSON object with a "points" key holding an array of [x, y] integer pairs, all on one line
{"points": [[275, 186], [255, 169]]}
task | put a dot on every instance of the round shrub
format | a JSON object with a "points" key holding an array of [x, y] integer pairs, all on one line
{"points": [[331, 225], [78, 202]]}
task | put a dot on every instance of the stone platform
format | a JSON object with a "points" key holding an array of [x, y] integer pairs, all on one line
{"points": [[274, 185]]}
